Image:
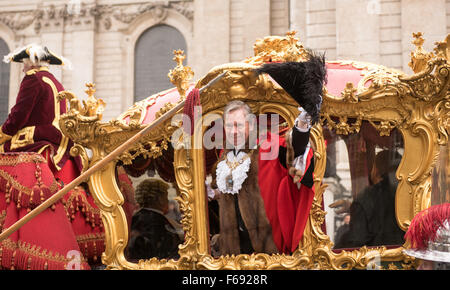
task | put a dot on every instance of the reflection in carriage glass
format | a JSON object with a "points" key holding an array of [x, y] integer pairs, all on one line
{"points": [[153, 215], [440, 190], [362, 187]]}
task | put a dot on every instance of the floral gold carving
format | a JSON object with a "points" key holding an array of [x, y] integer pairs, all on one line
{"points": [[181, 75], [349, 93], [278, 48], [419, 57], [417, 105]]}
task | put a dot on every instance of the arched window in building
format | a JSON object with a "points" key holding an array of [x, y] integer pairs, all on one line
{"points": [[153, 60], [4, 82]]}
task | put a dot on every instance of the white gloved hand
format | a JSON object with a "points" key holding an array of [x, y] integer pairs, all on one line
{"points": [[211, 193], [303, 121]]}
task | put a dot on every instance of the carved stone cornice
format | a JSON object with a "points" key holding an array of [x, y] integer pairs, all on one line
{"points": [[90, 14], [158, 10], [18, 20]]}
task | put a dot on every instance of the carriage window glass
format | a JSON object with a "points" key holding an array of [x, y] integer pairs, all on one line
{"points": [[253, 206], [4, 82], [440, 187], [151, 208], [360, 199]]}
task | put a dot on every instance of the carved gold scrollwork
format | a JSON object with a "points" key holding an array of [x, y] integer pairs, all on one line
{"points": [[181, 75], [78, 150], [384, 126], [419, 57], [417, 105], [429, 83], [349, 93], [442, 116], [343, 127], [442, 48], [277, 48]]}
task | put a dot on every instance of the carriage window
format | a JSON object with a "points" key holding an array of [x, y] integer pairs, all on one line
{"points": [[360, 201], [4, 83], [153, 59], [440, 188], [253, 205], [151, 209]]}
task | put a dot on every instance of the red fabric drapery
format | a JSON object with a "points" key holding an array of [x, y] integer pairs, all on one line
{"points": [[47, 240], [82, 212], [287, 206]]}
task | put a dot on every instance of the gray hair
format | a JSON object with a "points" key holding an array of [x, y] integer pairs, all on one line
{"points": [[236, 105]]}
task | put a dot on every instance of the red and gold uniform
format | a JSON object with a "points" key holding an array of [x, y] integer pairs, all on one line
{"points": [[33, 123], [33, 126]]}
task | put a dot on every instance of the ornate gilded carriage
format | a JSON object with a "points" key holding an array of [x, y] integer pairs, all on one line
{"points": [[360, 97]]}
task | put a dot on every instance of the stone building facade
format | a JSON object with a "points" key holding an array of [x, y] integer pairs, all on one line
{"points": [[125, 46], [118, 43]]}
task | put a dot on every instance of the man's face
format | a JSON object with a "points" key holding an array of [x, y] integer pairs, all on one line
{"points": [[347, 219], [237, 127], [374, 175], [164, 200]]}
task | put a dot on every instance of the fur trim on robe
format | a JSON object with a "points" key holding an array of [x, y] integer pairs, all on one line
{"points": [[253, 213]]}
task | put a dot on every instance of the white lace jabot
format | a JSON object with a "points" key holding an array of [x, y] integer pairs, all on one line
{"points": [[239, 173]]}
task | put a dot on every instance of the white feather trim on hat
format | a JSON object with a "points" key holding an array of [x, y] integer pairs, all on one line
{"points": [[37, 55]]}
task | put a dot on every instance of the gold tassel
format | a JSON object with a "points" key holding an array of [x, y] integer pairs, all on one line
{"points": [[19, 197], [7, 192], [12, 260], [29, 263]]}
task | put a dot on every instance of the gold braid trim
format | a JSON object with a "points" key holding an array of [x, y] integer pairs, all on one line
{"points": [[2, 219], [13, 159], [77, 199], [92, 242], [3, 136], [14, 183], [91, 237], [20, 187], [34, 251], [78, 192]]}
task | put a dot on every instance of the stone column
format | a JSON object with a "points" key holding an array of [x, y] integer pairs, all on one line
{"points": [[51, 31], [357, 30], [297, 11], [54, 41], [256, 23], [279, 17], [83, 68], [83, 56], [249, 20], [211, 40], [321, 26], [428, 17]]}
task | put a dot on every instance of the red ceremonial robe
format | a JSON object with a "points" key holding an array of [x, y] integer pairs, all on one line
{"points": [[33, 124], [48, 240], [33, 121], [287, 206]]}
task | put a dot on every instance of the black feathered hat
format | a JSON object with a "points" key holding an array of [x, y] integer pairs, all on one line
{"points": [[35, 53], [303, 81]]}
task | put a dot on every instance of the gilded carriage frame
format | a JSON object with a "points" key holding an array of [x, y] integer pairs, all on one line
{"points": [[418, 105]]}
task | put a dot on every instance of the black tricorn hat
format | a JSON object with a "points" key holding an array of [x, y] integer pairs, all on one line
{"points": [[303, 81], [35, 53]]}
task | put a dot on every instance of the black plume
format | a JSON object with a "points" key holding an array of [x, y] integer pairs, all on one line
{"points": [[303, 81]]}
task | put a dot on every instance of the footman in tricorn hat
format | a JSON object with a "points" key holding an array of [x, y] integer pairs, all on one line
{"points": [[33, 126], [33, 123]]}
